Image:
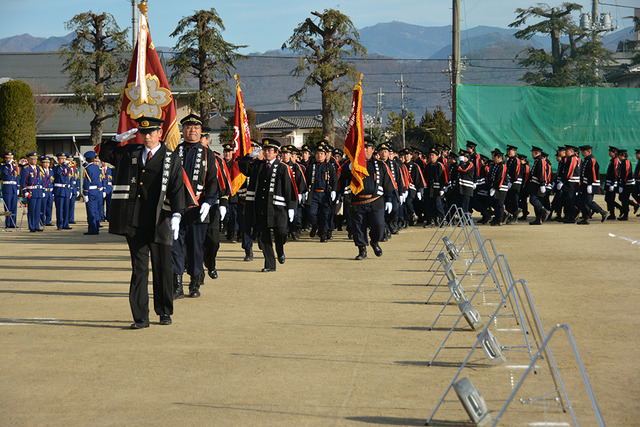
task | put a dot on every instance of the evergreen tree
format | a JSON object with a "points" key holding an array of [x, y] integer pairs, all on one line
{"points": [[95, 63], [202, 52], [324, 47], [569, 64], [17, 118]]}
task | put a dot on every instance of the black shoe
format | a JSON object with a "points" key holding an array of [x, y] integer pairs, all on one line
{"points": [[314, 230], [139, 325], [165, 319], [377, 250], [213, 274], [248, 255], [362, 253], [34, 230], [612, 217], [194, 292], [623, 218], [42, 229], [282, 259], [267, 270], [323, 236], [194, 285], [495, 223], [604, 216], [178, 291], [89, 234], [545, 215], [72, 222], [536, 222], [583, 221], [569, 220], [67, 228]]}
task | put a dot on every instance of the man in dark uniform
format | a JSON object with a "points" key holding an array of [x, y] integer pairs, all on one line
{"points": [[288, 157], [626, 182], [10, 176], [416, 186], [271, 199], [523, 203], [323, 185], [611, 183], [463, 181], [231, 219], [589, 184], [537, 186], [107, 171], [31, 185], [47, 202], [92, 191], [636, 188], [515, 183], [147, 204], [370, 204], [62, 191], [436, 179], [558, 200], [498, 186], [246, 228], [569, 183]]}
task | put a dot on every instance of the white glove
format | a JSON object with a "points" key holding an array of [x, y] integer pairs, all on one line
{"points": [[333, 196], [559, 185], [401, 199], [255, 153], [543, 189], [204, 211], [589, 189], [441, 193], [350, 166], [300, 197], [611, 188], [461, 159], [492, 192], [104, 194], [620, 190], [305, 196], [292, 214], [175, 226], [125, 136], [388, 207], [419, 195], [509, 185], [405, 195], [223, 212], [86, 199]]}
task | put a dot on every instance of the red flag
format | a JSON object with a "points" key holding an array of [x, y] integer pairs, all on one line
{"points": [[241, 139], [147, 92], [354, 143]]}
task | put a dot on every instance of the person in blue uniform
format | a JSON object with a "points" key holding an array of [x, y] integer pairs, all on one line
{"points": [[47, 202], [32, 188], [74, 182], [107, 171], [147, 204], [10, 175], [62, 191], [589, 185], [92, 191]]}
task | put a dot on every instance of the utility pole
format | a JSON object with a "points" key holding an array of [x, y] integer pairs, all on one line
{"points": [[455, 73], [134, 24], [404, 111], [379, 109]]}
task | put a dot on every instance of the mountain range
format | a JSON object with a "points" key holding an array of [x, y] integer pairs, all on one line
{"points": [[397, 51]]}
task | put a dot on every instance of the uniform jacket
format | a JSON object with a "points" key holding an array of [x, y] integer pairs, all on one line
{"points": [[48, 180], [590, 175], [107, 182], [538, 176], [417, 182], [436, 178], [515, 174], [625, 174], [299, 177], [571, 178], [10, 175], [465, 178], [201, 167], [499, 180], [270, 190], [379, 186], [32, 182], [144, 197], [62, 181], [93, 180], [612, 173], [322, 177]]}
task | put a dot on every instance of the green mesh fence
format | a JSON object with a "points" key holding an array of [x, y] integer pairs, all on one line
{"points": [[524, 116]]}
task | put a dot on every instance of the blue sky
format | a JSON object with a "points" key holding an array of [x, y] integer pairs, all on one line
{"points": [[266, 24]]}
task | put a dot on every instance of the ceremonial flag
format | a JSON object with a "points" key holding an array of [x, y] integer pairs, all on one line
{"points": [[147, 92], [354, 143], [241, 139]]}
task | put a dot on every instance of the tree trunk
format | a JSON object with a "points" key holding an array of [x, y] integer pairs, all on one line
{"points": [[328, 129]]}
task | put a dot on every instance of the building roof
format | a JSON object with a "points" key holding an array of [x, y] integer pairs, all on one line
{"points": [[291, 123]]}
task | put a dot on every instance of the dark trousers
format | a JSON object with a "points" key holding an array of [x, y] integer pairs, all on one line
{"points": [[140, 245], [245, 229], [279, 238], [511, 202], [94, 211], [10, 197], [212, 240], [570, 203], [189, 246], [586, 203], [536, 202], [320, 210], [558, 203], [434, 209], [107, 207], [498, 208], [610, 200], [366, 217], [72, 208], [624, 200], [231, 220], [463, 202], [47, 208], [34, 209], [62, 211]]}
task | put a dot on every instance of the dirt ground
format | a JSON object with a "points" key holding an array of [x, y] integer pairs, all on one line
{"points": [[325, 340]]}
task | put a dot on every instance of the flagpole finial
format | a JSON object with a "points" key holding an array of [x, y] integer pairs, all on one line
{"points": [[237, 77], [360, 77], [143, 7]]}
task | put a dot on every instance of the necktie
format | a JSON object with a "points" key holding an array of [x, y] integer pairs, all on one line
{"points": [[148, 157]]}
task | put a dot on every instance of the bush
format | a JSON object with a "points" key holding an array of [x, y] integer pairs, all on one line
{"points": [[17, 118]]}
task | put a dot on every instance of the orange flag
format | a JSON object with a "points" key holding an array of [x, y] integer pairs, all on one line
{"points": [[241, 139], [147, 92], [354, 143]]}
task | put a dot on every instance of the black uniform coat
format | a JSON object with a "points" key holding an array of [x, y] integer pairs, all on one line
{"points": [[138, 200], [270, 192]]}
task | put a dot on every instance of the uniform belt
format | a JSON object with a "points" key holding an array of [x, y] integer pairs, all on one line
{"points": [[9, 182], [364, 202], [61, 185], [319, 191], [93, 187]]}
